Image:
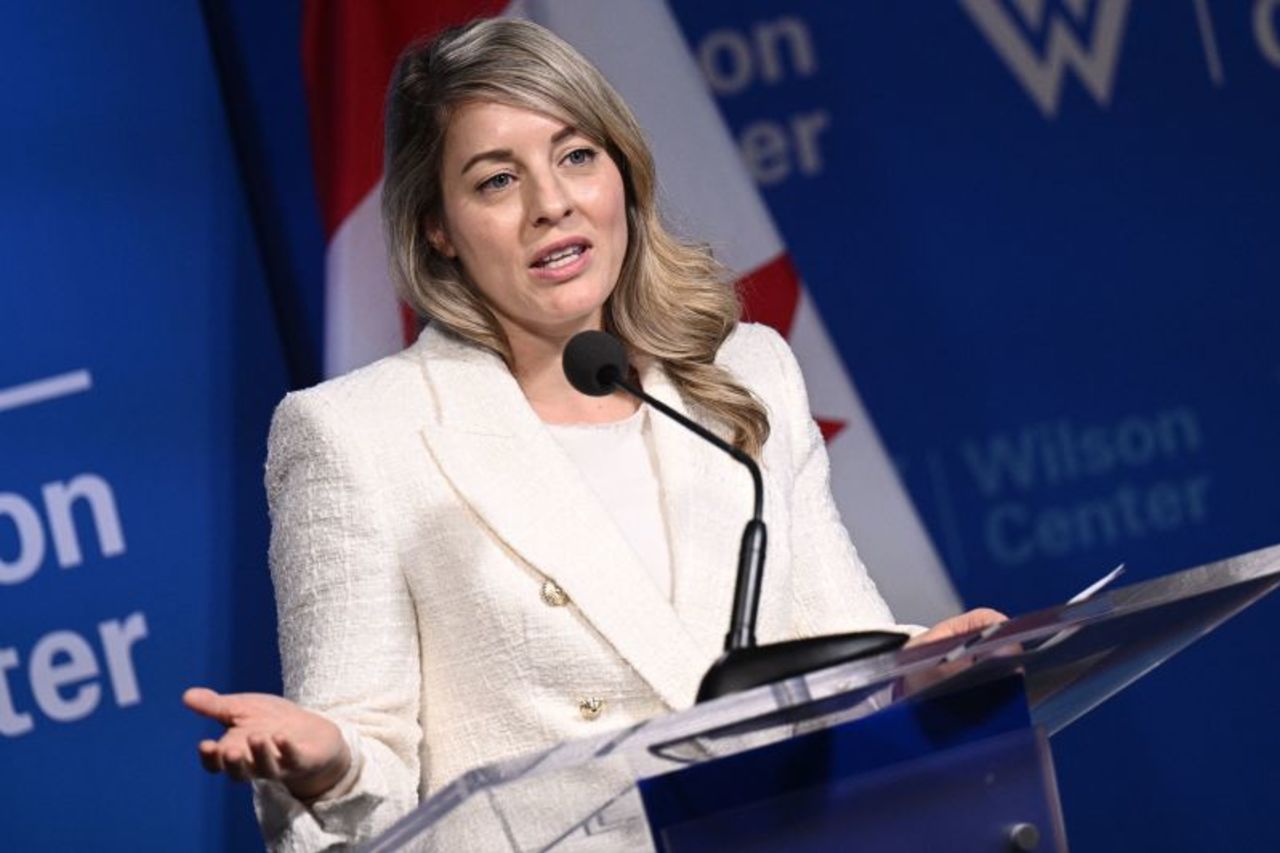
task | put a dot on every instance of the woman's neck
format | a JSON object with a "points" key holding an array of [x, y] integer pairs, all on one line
{"points": [[537, 364]]}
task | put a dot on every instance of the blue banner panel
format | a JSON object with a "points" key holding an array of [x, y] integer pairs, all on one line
{"points": [[138, 367], [1043, 235]]}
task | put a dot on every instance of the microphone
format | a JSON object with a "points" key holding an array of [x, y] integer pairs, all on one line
{"points": [[595, 363]]}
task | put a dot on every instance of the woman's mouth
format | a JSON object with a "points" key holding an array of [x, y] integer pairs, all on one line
{"points": [[561, 257], [562, 263]]}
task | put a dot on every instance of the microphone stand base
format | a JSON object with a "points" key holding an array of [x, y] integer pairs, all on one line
{"points": [[742, 669]]}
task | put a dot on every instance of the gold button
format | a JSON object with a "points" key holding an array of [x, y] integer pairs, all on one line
{"points": [[553, 595], [591, 707]]}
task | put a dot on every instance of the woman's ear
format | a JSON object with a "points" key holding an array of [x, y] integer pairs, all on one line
{"points": [[438, 239]]}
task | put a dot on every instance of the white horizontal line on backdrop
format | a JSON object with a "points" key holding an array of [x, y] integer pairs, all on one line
{"points": [[42, 390]]}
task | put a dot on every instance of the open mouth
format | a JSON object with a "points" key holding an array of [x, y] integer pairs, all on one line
{"points": [[561, 257]]}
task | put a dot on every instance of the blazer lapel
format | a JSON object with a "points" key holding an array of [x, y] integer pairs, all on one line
{"points": [[506, 465]]}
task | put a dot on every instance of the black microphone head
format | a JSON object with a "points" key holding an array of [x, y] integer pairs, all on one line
{"points": [[593, 361]]}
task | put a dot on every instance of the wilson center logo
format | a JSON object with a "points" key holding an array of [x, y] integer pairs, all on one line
{"points": [[1014, 27]]}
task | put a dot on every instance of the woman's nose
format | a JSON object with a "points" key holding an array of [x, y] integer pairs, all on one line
{"points": [[548, 203]]}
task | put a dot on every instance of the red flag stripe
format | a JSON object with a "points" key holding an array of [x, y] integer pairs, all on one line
{"points": [[770, 294], [349, 49], [830, 428]]}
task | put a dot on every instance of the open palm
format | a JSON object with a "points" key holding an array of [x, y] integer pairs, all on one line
{"points": [[269, 737]]}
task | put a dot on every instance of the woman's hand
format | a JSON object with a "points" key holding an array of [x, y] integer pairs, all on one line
{"points": [[973, 620], [269, 737]]}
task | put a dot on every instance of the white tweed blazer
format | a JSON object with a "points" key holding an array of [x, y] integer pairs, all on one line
{"points": [[418, 508]]}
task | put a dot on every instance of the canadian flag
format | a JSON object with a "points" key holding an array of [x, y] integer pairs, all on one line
{"points": [[349, 50]]}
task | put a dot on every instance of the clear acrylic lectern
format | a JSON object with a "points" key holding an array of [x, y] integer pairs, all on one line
{"points": [[938, 747]]}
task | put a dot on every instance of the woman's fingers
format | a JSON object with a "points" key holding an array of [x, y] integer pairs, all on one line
{"points": [[238, 763], [982, 617], [290, 756], [206, 702], [265, 763], [265, 739], [954, 626], [210, 756], [234, 755]]}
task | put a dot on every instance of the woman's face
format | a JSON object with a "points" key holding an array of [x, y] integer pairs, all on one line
{"points": [[536, 214]]}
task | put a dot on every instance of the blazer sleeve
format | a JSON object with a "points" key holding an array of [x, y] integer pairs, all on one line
{"points": [[348, 637], [832, 591]]}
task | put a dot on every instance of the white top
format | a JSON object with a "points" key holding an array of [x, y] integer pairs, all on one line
{"points": [[617, 461]]}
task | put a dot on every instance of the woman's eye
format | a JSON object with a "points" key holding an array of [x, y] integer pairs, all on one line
{"points": [[580, 156], [499, 181]]}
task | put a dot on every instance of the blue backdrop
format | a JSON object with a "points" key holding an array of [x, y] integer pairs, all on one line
{"points": [[1050, 278], [1064, 316], [130, 263]]}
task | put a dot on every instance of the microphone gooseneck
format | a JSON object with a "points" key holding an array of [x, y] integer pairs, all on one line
{"points": [[595, 363]]}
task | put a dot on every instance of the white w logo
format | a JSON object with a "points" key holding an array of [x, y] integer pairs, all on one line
{"points": [[1041, 76]]}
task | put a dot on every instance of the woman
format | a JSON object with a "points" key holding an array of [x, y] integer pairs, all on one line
{"points": [[457, 580]]}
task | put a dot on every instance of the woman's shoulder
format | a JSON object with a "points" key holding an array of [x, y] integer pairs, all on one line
{"points": [[758, 355], [387, 388]]}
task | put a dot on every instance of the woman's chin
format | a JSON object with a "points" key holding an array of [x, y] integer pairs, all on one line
{"points": [[561, 323], [577, 311]]}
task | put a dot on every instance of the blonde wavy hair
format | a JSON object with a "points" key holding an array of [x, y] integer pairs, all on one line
{"points": [[670, 304]]}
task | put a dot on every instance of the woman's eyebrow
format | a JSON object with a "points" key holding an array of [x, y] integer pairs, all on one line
{"points": [[562, 134], [500, 154], [504, 154]]}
